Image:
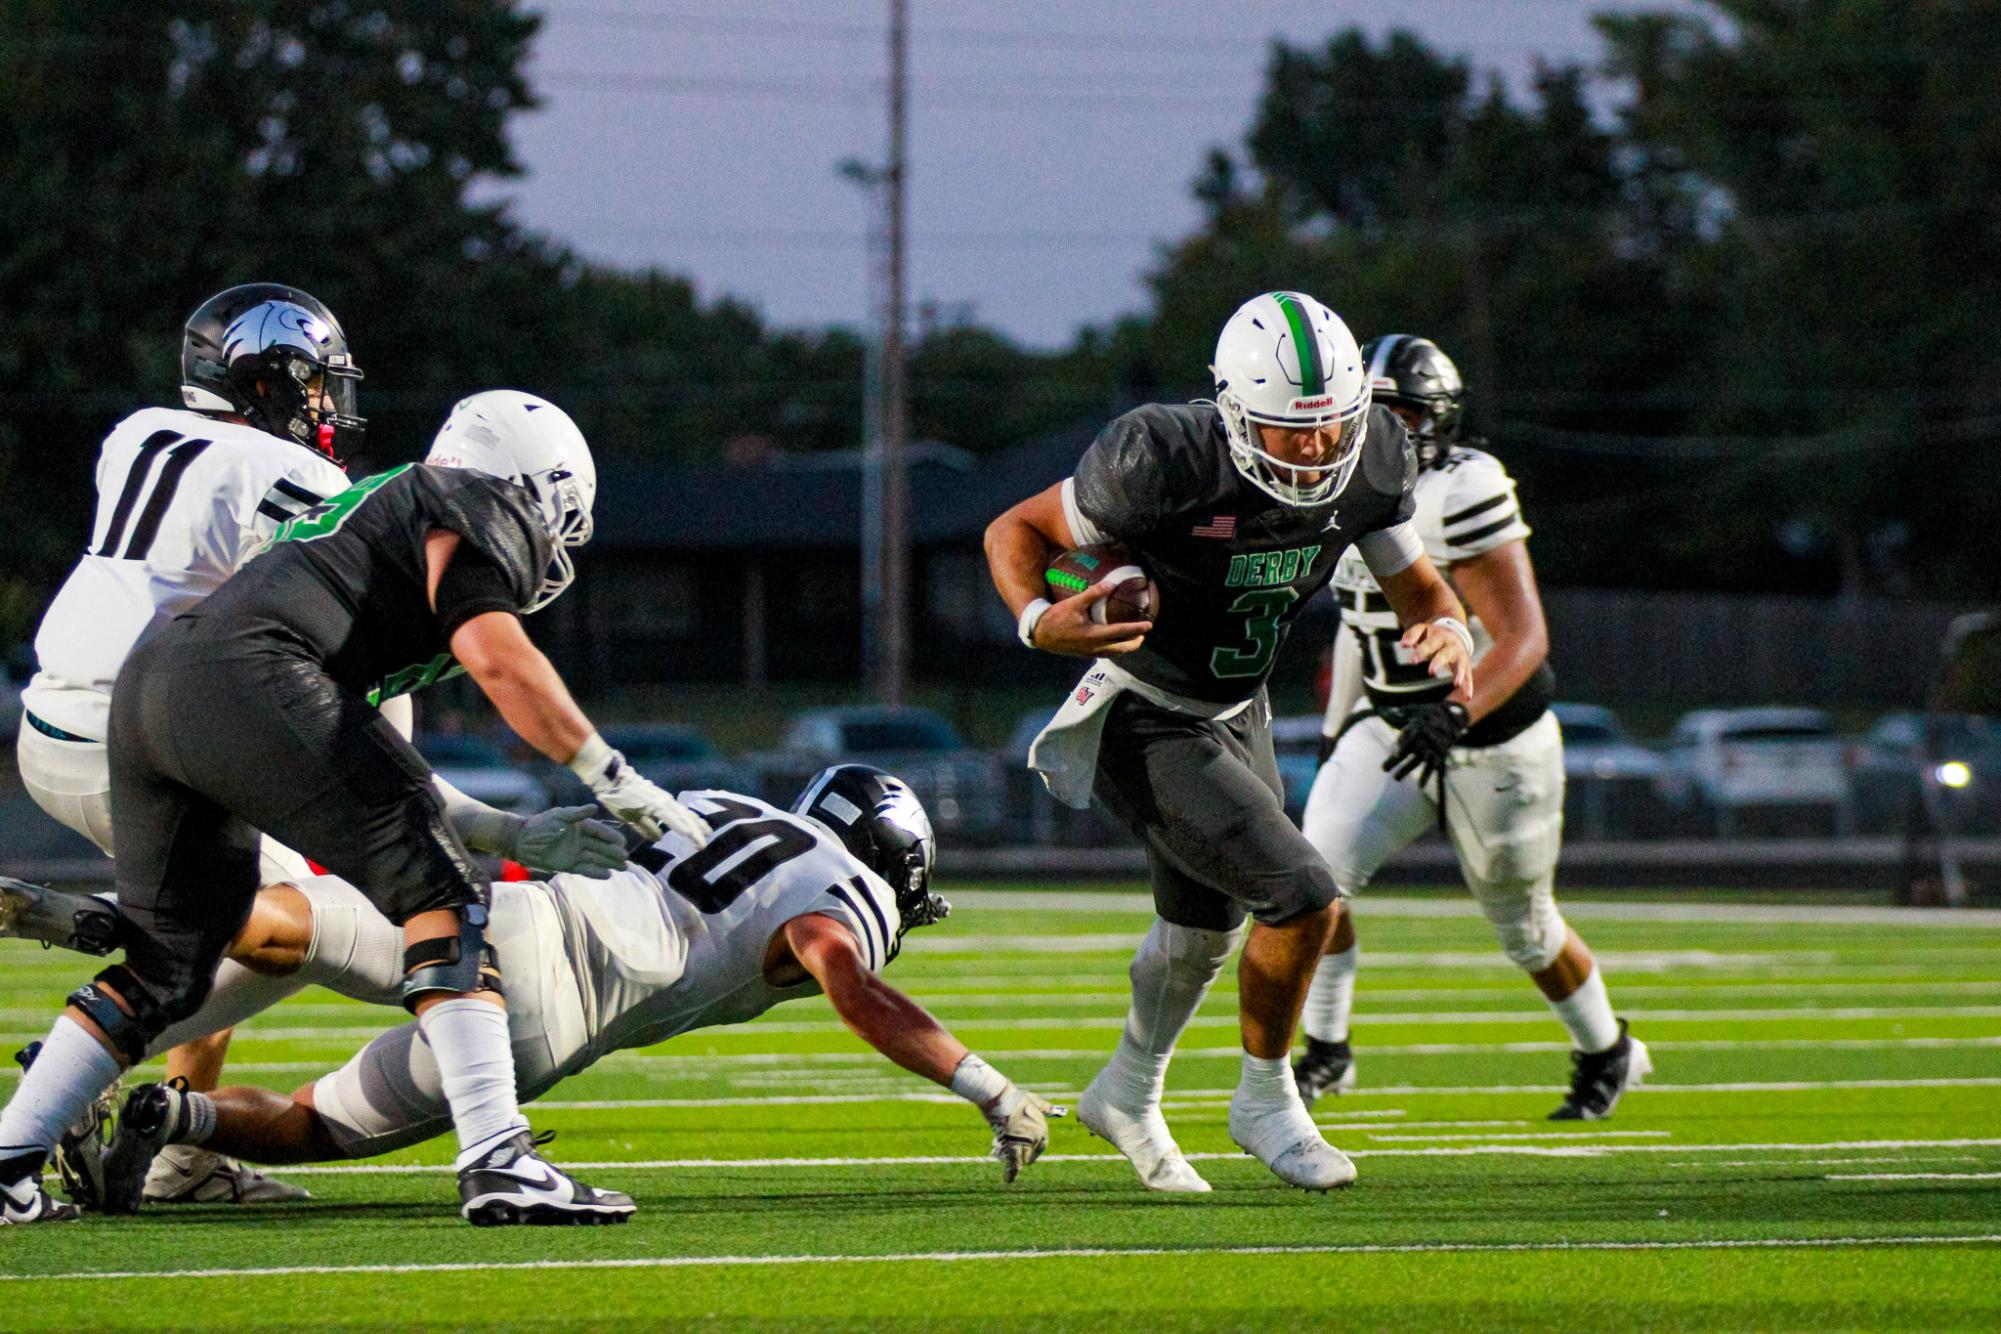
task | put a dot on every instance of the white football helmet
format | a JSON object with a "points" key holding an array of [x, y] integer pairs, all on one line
{"points": [[1286, 360], [529, 440]]}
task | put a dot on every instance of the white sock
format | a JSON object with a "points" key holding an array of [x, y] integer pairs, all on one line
{"points": [[1331, 999], [72, 1069], [1171, 973], [1587, 1013], [1267, 1081], [355, 950], [468, 1038]]}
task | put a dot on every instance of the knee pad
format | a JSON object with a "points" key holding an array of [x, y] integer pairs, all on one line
{"points": [[451, 965], [131, 1033], [1187, 952], [1525, 919]]}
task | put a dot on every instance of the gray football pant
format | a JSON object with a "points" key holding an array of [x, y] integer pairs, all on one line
{"points": [[1204, 798]]}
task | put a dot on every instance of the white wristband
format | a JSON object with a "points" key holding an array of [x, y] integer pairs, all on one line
{"points": [[1457, 627], [591, 758], [977, 1082], [1024, 628]]}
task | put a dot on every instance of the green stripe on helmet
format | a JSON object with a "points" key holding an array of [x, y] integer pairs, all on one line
{"points": [[1311, 381]]}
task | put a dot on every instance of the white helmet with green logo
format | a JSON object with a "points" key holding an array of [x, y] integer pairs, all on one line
{"points": [[1286, 360]]}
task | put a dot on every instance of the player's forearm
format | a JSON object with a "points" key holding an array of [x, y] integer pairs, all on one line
{"points": [[898, 1027], [1017, 555], [1416, 600], [533, 700], [1506, 668]]}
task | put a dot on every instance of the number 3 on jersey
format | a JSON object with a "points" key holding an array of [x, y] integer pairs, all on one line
{"points": [[1262, 609]]}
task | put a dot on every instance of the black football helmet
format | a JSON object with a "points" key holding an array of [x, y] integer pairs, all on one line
{"points": [[267, 352], [881, 821], [1406, 371]]}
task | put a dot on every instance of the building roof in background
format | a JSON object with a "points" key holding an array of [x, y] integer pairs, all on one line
{"points": [[815, 501]]}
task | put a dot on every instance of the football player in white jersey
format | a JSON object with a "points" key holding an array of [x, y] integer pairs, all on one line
{"points": [[778, 905], [1398, 744], [185, 497]]}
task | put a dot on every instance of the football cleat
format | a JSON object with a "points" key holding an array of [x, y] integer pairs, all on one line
{"points": [[1283, 1137], [1327, 1067], [79, 1153], [1598, 1079], [510, 1185], [81, 922], [1142, 1136], [186, 1174], [22, 1199], [154, 1116]]}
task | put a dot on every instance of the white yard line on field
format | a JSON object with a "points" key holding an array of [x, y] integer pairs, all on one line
{"points": [[1053, 1253], [1801, 914], [948, 1160], [1914, 1176], [1542, 1134]]}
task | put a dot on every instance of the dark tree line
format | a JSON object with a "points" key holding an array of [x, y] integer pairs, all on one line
{"points": [[1735, 332]]}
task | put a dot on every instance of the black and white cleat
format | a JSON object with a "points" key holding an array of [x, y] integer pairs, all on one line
{"points": [[54, 917], [1599, 1079], [1327, 1067], [22, 1199], [511, 1185]]}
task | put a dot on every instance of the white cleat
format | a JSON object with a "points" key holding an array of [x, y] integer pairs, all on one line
{"points": [[1142, 1136], [1283, 1137], [185, 1174]]}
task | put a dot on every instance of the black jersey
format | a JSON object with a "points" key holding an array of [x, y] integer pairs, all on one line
{"points": [[1234, 565], [347, 582]]}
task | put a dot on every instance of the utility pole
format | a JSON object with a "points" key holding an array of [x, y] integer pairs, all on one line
{"points": [[885, 535], [892, 677]]}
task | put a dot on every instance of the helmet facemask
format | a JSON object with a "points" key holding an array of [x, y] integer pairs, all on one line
{"points": [[566, 514], [1278, 478]]}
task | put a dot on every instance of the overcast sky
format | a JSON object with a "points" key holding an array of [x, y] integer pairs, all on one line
{"points": [[1052, 142]]}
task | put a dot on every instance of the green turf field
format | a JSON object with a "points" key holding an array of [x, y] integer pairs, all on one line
{"points": [[1822, 1150]]}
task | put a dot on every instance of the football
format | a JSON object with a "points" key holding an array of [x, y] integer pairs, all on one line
{"points": [[1135, 596]]}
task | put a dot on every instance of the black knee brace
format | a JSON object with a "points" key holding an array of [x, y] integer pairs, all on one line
{"points": [[451, 964], [130, 1033]]}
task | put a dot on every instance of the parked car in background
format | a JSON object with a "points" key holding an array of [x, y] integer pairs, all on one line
{"points": [[1034, 816], [1759, 770], [1609, 779], [960, 787], [1949, 762], [1296, 740], [481, 770]]}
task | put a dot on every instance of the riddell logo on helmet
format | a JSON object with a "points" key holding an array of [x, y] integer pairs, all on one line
{"points": [[1312, 404]]}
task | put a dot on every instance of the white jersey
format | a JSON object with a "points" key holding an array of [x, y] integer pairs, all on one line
{"points": [[677, 942], [183, 501], [1465, 507]]}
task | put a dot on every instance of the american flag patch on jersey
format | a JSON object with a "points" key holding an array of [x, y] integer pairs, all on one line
{"points": [[1222, 526]]}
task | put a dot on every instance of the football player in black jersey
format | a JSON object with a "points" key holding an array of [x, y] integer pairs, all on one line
{"points": [[256, 710], [1239, 508], [1493, 759]]}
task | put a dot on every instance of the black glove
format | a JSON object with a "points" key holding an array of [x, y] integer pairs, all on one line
{"points": [[1430, 731], [1326, 749]]}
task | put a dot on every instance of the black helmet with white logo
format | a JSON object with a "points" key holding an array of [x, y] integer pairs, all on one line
{"points": [[881, 821], [276, 357]]}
